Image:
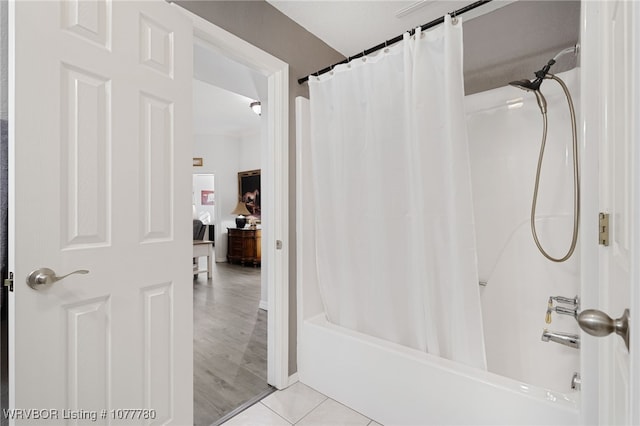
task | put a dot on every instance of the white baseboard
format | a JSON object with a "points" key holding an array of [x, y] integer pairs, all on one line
{"points": [[264, 305]]}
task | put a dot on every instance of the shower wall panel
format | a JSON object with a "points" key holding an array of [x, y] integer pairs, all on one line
{"points": [[505, 129]]}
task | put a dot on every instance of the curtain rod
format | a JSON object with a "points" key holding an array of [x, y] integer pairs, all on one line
{"points": [[396, 39]]}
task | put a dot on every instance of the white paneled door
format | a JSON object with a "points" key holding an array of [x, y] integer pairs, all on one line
{"points": [[100, 128], [611, 374]]}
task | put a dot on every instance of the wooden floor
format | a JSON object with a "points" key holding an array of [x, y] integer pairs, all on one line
{"points": [[230, 341]]}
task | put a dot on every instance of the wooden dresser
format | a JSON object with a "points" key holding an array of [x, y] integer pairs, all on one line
{"points": [[244, 246]]}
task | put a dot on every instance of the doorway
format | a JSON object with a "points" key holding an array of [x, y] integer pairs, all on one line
{"points": [[224, 62], [275, 179], [230, 329], [204, 202]]}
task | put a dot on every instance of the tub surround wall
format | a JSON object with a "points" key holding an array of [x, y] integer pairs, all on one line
{"points": [[504, 144]]}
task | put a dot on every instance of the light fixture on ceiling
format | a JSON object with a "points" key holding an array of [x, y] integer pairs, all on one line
{"points": [[256, 107], [412, 8]]}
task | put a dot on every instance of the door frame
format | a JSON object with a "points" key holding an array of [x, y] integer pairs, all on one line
{"points": [[635, 243], [593, 39], [275, 177]]}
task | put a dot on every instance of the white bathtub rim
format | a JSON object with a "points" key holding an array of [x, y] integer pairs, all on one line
{"points": [[569, 401]]}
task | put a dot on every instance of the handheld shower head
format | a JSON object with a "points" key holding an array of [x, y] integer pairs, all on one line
{"points": [[532, 86], [527, 85]]}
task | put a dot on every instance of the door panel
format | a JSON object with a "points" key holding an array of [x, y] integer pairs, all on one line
{"points": [[156, 147], [90, 20], [85, 144], [101, 180], [88, 371]]}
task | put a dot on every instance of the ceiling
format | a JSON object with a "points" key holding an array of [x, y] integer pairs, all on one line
{"points": [[353, 26], [217, 69], [222, 92], [220, 112]]}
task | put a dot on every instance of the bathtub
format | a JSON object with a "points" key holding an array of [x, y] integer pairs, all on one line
{"points": [[396, 385], [528, 380]]}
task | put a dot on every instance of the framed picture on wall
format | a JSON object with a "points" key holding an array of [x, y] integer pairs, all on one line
{"points": [[207, 197], [249, 190]]}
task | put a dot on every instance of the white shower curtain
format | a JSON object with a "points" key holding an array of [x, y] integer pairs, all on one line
{"points": [[394, 221]]}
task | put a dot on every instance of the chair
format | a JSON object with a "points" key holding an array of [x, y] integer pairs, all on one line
{"points": [[198, 230], [201, 248]]}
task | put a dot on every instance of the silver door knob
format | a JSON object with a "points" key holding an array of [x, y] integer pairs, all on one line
{"points": [[597, 323], [43, 278]]}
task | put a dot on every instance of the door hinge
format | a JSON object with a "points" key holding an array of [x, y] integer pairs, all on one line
{"points": [[9, 281], [603, 228]]}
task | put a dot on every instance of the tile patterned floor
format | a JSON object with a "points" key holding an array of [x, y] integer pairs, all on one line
{"points": [[299, 405]]}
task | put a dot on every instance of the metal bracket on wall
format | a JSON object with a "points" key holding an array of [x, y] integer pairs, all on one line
{"points": [[603, 229], [9, 282]]}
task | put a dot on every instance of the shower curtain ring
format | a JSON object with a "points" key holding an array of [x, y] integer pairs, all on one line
{"points": [[386, 49], [454, 18]]}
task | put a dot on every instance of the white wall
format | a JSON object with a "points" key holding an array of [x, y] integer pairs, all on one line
{"points": [[221, 157], [250, 152], [504, 145]]}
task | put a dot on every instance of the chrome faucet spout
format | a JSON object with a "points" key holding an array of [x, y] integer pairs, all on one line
{"points": [[567, 339]]}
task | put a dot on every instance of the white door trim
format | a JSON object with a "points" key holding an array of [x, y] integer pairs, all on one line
{"points": [[591, 129], [635, 237], [275, 176]]}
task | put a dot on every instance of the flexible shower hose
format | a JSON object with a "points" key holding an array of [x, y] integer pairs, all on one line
{"points": [[576, 179]]}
